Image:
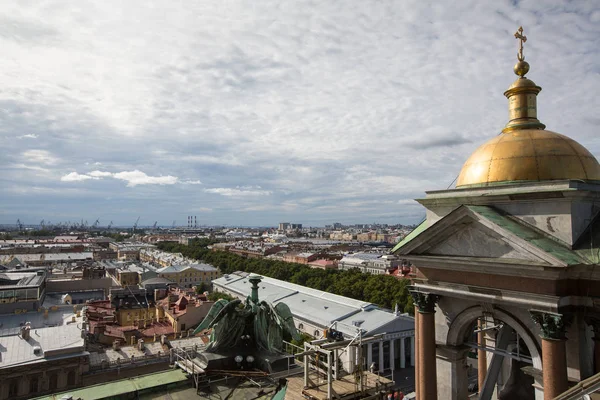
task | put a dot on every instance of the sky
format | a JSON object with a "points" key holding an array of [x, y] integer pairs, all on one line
{"points": [[250, 113]]}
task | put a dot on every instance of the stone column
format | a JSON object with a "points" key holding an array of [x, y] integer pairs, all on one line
{"points": [[554, 352], [369, 355], [392, 355], [380, 363], [416, 355], [412, 351], [427, 377], [594, 322], [402, 353], [481, 356]]}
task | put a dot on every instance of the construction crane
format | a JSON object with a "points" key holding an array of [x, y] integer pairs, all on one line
{"points": [[96, 223], [109, 225], [42, 224], [136, 224], [154, 226]]}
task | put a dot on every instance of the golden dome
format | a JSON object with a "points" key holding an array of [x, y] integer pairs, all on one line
{"points": [[524, 151], [528, 155]]}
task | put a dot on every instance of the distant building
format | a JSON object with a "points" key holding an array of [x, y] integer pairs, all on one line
{"points": [[284, 226], [189, 275], [21, 291], [323, 264], [183, 309]]}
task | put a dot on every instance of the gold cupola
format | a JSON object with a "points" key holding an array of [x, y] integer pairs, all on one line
{"points": [[525, 151]]}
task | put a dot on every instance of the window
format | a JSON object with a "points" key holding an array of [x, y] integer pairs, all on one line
{"points": [[13, 387], [71, 378], [53, 381], [34, 384]]}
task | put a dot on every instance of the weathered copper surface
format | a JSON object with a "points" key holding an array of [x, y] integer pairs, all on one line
{"points": [[528, 155]]}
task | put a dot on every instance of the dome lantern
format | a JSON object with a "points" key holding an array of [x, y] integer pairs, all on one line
{"points": [[525, 151]]}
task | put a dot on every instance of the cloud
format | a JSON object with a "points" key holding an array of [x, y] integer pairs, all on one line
{"points": [[75, 177], [40, 157], [100, 174], [295, 110], [239, 191], [134, 178]]}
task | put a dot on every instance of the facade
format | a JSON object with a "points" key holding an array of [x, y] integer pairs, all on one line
{"points": [[45, 360], [125, 277], [315, 311], [369, 262], [21, 291], [300, 258], [184, 310], [506, 265], [189, 275]]}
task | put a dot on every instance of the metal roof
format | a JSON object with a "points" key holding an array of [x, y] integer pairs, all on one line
{"points": [[319, 307], [17, 351]]}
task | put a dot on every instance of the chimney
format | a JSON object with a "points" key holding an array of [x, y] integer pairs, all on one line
{"points": [[141, 345], [396, 310], [25, 332], [116, 344]]}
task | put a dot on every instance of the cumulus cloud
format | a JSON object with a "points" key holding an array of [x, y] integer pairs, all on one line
{"points": [[100, 174], [239, 191], [75, 177], [133, 178]]}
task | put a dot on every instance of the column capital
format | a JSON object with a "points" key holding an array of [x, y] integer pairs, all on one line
{"points": [[594, 322], [425, 302], [553, 326]]}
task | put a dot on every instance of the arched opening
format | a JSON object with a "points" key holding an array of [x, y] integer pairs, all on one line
{"points": [[508, 348]]}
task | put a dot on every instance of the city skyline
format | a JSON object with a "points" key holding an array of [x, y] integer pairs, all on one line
{"points": [[249, 114]]}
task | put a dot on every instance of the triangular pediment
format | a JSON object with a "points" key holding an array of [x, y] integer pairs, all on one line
{"points": [[477, 240], [485, 234]]}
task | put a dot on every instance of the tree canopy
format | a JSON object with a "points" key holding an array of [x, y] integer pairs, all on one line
{"points": [[384, 290]]}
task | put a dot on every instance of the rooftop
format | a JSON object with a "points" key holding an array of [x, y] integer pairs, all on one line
{"points": [[57, 342], [320, 307]]}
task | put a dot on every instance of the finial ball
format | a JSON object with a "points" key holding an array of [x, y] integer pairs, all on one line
{"points": [[521, 68]]}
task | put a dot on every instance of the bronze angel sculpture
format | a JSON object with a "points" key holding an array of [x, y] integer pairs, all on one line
{"points": [[253, 324]]}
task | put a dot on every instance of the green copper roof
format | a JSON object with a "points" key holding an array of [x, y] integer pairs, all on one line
{"points": [[124, 386], [537, 238], [413, 234], [548, 244]]}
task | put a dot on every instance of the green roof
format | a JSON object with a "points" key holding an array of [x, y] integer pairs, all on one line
{"points": [[537, 238], [131, 385], [413, 234], [550, 245]]}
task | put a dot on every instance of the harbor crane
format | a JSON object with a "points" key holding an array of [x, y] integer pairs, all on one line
{"points": [[136, 224], [109, 225], [19, 225], [96, 223], [154, 226], [42, 224]]}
